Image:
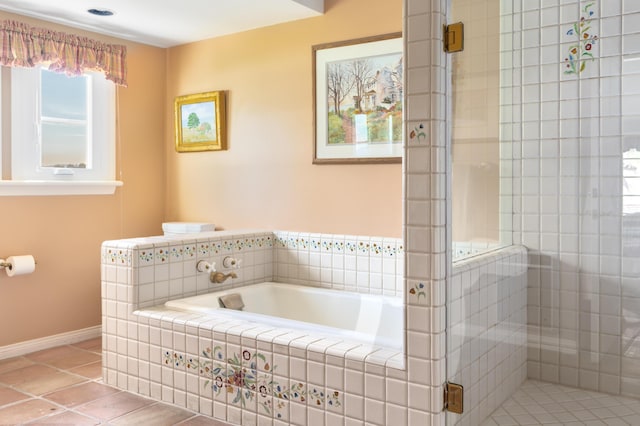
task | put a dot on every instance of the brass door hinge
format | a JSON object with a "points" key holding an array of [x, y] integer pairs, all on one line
{"points": [[453, 397], [454, 37]]}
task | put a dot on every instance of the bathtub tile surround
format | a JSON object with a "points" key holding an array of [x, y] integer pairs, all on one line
{"points": [[233, 370], [249, 373]]}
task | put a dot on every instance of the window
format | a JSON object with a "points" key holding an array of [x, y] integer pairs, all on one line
{"points": [[62, 131]]}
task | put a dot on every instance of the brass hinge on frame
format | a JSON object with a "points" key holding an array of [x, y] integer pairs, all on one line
{"points": [[453, 397], [454, 37]]}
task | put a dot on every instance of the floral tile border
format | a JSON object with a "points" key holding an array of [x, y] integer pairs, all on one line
{"points": [[335, 244], [116, 256], [239, 377], [166, 252]]}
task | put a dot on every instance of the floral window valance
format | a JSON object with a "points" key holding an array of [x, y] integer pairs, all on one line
{"points": [[26, 46]]}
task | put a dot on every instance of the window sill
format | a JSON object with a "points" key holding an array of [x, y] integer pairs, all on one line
{"points": [[10, 188]]}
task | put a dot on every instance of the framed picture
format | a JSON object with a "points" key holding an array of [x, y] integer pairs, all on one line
{"points": [[200, 122], [357, 92]]}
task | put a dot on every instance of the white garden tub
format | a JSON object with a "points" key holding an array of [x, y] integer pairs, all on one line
{"points": [[371, 319]]}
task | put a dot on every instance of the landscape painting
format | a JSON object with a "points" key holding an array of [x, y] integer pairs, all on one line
{"points": [[198, 122], [358, 100]]}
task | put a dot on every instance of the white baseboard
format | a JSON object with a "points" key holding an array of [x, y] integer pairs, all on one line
{"points": [[22, 348]]}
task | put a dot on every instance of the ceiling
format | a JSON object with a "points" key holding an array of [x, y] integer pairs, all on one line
{"points": [[166, 23]]}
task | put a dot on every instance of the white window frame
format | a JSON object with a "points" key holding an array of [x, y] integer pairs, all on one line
{"points": [[27, 177]]}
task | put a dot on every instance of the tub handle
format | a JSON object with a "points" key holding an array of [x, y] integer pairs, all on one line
{"points": [[204, 266], [231, 262]]}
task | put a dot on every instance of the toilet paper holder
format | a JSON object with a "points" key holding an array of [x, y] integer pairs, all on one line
{"points": [[5, 264]]}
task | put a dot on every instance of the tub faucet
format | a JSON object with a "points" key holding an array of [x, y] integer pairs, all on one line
{"points": [[219, 277]]}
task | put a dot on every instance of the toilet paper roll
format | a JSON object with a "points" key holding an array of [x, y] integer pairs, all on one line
{"points": [[20, 265]]}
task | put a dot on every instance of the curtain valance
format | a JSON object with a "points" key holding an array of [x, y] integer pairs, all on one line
{"points": [[26, 46]]}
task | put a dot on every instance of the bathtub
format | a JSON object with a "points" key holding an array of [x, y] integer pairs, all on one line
{"points": [[364, 318]]}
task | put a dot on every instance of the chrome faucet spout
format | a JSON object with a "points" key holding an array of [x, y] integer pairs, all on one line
{"points": [[219, 277]]}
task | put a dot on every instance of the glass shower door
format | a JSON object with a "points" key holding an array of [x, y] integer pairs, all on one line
{"points": [[481, 212]]}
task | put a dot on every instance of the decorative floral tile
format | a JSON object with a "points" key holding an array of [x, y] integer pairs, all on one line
{"points": [[117, 257], [582, 51], [263, 241], [227, 246], [334, 401], [418, 133], [176, 253], [174, 359], [297, 391], [417, 291], [303, 243], [363, 247], [326, 244], [281, 240], [265, 403], [314, 243], [239, 395], [216, 247], [390, 250], [145, 257], [279, 389], [189, 251], [161, 255], [316, 397], [239, 245], [376, 248], [291, 242], [203, 249], [281, 409], [264, 362]]}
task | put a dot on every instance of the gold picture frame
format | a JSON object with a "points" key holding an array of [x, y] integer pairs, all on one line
{"points": [[200, 122]]}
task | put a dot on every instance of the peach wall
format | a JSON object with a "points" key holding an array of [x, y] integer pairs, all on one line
{"points": [[65, 233], [265, 179]]}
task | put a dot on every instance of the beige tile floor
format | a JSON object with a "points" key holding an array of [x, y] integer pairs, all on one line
{"points": [[63, 385]]}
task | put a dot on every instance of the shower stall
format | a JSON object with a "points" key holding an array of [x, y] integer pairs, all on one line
{"points": [[533, 141]]}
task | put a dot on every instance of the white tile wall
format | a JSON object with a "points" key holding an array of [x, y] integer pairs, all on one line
{"points": [[341, 262], [575, 196], [487, 338], [465, 249], [428, 241]]}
